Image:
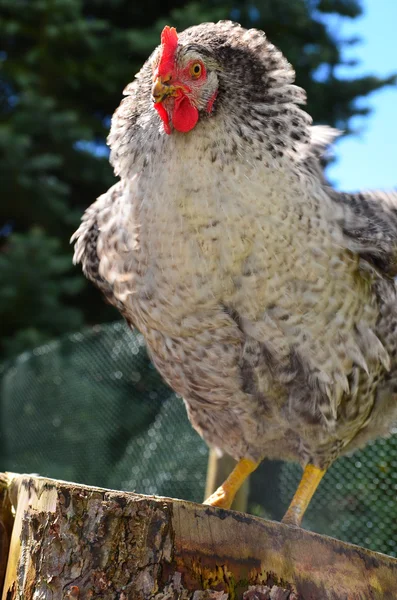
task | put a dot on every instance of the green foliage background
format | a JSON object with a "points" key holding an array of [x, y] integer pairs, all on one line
{"points": [[64, 64]]}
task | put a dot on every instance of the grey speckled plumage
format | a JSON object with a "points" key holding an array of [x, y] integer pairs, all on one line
{"points": [[266, 298]]}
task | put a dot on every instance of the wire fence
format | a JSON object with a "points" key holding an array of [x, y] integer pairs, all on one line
{"points": [[91, 408]]}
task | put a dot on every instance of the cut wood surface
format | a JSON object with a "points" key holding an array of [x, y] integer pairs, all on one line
{"points": [[75, 541]]}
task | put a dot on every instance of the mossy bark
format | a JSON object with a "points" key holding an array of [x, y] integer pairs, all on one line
{"points": [[74, 541]]}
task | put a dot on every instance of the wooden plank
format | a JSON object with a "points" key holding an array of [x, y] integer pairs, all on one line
{"points": [[74, 541]]}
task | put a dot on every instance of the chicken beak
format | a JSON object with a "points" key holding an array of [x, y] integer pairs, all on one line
{"points": [[162, 88]]}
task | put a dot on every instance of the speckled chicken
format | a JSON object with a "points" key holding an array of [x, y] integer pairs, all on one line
{"points": [[266, 297]]}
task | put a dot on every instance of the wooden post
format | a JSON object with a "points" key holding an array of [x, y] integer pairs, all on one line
{"points": [[77, 542], [6, 525]]}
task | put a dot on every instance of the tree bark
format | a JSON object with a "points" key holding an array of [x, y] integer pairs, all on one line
{"points": [[6, 524], [79, 542]]}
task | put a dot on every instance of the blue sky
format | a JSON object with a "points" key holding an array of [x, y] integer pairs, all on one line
{"points": [[369, 160]]}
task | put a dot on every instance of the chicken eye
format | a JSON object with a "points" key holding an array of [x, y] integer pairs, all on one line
{"points": [[196, 70]]}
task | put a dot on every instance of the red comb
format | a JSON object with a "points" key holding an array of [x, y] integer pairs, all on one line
{"points": [[169, 43]]}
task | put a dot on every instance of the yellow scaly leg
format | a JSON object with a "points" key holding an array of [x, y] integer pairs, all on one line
{"points": [[310, 479], [224, 495]]}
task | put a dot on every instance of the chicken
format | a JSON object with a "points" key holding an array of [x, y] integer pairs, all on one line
{"points": [[266, 298]]}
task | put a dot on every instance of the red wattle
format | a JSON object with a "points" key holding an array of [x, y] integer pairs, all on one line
{"points": [[184, 115], [163, 116]]}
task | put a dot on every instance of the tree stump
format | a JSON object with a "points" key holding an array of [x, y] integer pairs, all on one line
{"points": [[72, 541]]}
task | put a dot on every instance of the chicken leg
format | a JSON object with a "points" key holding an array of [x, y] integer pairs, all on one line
{"points": [[223, 497], [308, 484]]}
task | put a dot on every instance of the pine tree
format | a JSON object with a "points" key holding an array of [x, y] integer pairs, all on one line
{"points": [[64, 65]]}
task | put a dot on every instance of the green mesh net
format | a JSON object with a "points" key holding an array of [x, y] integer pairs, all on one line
{"points": [[357, 499], [91, 408]]}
